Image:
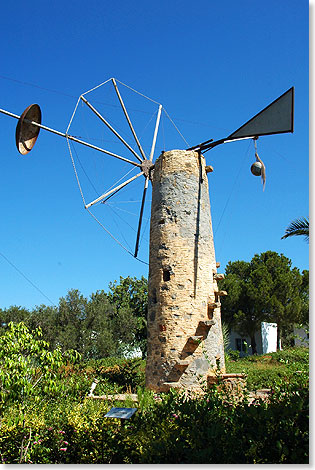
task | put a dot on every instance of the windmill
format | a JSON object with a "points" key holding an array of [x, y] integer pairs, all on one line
{"points": [[185, 341]]}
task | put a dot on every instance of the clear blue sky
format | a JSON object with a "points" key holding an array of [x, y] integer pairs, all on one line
{"points": [[212, 65]]}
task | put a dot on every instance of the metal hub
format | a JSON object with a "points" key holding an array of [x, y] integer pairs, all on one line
{"points": [[147, 167]]}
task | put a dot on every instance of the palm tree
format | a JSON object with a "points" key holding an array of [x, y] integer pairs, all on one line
{"points": [[298, 227]]}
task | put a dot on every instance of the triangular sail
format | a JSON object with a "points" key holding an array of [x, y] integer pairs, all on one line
{"points": [[276, 118]]}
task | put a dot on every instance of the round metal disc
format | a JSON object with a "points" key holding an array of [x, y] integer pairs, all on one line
{"points": [[26, 133]]}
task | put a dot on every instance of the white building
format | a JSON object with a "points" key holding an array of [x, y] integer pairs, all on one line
{"points": [[266, 340]]}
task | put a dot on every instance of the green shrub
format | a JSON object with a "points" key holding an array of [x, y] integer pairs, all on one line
{"points": [[172, 428], [295, 356], [129, 374], [175, 428], [233, 355], [268, 370], [114, 375], [27, 367]]}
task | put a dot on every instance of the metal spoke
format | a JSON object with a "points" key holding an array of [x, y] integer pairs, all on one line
{"points": [[128, 119], [155, 132], [141, 215], [110, 127], [117, 188]]}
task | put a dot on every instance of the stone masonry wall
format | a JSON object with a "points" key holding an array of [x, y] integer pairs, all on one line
{"points": [[185, 341]]}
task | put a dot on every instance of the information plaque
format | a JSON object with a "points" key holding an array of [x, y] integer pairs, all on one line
{"points": [[121, 413]]}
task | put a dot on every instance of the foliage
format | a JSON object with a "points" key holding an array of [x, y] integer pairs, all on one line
{"points": [[45, 318], [264, 289], [114, 375], [177, 428], [70, 318], [171, 428], [131, 294], [28, 371], [106, 324], [232, 355], [268, 370], [298, 227], [127, 375], [27, 367], [98, 335]]}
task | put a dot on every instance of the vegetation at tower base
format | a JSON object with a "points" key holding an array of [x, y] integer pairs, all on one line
{"points": [[66, 427], [46, 417], [28, 373], [265, 289]]}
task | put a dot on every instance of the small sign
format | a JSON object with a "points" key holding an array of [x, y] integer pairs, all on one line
{"points": [[121, 413]]}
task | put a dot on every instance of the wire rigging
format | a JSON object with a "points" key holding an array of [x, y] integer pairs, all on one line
{"points": [[176, 127], [27, 279], [83, 169], [58, 92], [118, 227], [124, 210], [115, 239], [233, 187]]}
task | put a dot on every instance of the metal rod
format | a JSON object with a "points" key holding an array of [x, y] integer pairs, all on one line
{"points": [[204, 148], [210, 144], [110, 127], [223, 141], [155, 132], [198, 146], [70, 137], [113, 190], [141, 215], [99, 149], [128, 119], [3, 111], [240, 138]]}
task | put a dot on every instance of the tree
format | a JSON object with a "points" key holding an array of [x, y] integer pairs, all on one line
{"points": [[13, 314], [298, 227], [46, 318], [131, 295], [242, 308], [28, 371], [264, 289], [70, 318], [107, 324], [27, 366], [98, 338]]}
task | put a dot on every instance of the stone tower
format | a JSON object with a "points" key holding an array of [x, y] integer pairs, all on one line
{"points": [[185, 342]]}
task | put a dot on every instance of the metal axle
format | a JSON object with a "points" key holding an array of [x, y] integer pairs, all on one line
{"points": [[70, 137]]}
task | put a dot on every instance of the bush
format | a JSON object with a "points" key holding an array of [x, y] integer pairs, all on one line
{"points": [[267, 371], [298, 356], [178, 428], [172, 428], [114, 375], [128, 375], [233, 355], [27, 367]]}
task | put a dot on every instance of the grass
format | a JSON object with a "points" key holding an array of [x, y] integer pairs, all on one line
{"points": [[265, 371]]}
